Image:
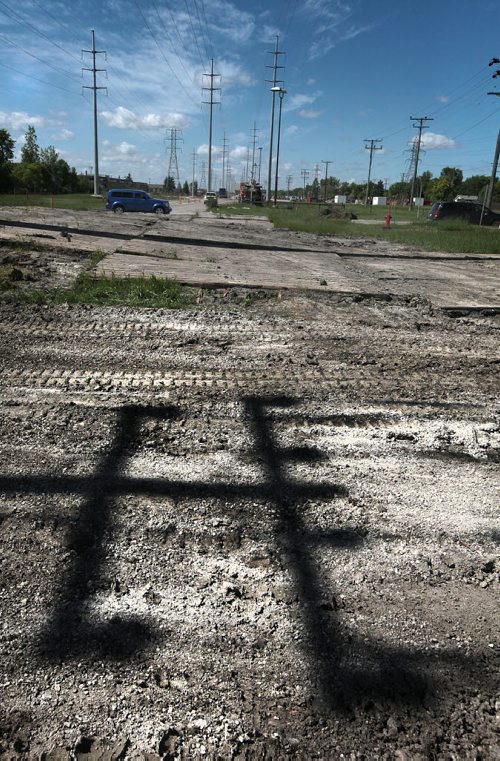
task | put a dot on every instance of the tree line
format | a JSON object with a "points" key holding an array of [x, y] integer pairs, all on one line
{"points": [[445, 187], [41, 170]]}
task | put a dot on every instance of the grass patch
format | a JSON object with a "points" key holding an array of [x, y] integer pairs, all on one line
{"points": [[454, 237], [153, 292], [23, 244], [76, 201]]}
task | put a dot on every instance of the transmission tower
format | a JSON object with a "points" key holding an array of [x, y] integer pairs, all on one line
{"points": [[203, 179], [95, 88], [289, 179], [229, 176], [173, 139]]}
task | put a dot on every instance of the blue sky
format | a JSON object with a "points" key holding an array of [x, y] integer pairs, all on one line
{"points": [[353, 70]]}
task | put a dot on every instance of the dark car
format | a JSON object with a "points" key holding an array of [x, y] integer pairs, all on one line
{"points": [[135, 200], [467, 210]]}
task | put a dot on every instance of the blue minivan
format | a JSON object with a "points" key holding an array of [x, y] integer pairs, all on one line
{"points": [[135, 200]]}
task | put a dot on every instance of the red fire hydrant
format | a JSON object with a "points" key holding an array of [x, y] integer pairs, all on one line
{"points": [[388, 218]]}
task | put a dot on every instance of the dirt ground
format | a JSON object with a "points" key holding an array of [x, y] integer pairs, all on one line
{"points": [[265, 527]]}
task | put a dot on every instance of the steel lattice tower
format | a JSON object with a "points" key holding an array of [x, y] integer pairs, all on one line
{"points": [[173, 167]]}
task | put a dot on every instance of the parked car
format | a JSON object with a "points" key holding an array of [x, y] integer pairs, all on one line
{"points": [[135, 200], [467, 210]]}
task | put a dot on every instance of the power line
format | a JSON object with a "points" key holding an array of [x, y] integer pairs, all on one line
{"points": [[194, 36], [12, 14], [42, 81], [202, 28], [158, 45], [167, 33], [51, 65]]}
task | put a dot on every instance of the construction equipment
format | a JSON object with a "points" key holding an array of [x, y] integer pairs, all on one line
{"points": [[251, 192]]}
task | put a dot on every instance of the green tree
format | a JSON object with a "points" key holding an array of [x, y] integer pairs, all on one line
{"points": [[475, 185], [29, 177], [169, 184], [442, 189], [454, 176], [6, 147], [6, 156], [315, 189], [424, 184], [30, 152], [185, 188]]}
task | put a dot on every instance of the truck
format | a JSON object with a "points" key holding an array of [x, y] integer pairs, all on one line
{"points": [[251, 192]]}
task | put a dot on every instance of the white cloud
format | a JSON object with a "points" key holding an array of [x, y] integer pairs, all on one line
{"points": [[240, 152], [64, 134], [442, 98], [299, 101], [202, 150], [269, 32], [330, 18], [229, 21], [122, 118], [310, 114], [432, 141], [233, 74], [291, 130], [19, 119]]}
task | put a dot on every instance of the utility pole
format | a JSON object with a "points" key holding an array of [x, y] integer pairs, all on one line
{"points": [[254, 143], [274, 81], [173, 167], [95, 88], [224, 154], [326, 175], [203, 179], [420, 126], [212, 103], [372, 146], [491, 186], [260, 161], [194, 171], [289, 179], [305, 174]]}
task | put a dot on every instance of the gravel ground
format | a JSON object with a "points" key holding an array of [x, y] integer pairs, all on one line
{"points": [[262, 528]]}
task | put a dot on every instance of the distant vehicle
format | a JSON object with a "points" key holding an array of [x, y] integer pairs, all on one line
{"points": [[466, 198], [467, 210], [210, 194], [135, 200], [222, 193]]}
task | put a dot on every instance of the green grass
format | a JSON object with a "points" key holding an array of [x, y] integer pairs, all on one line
{"points": [[158, 293], [455, 237], [75, 201]]}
